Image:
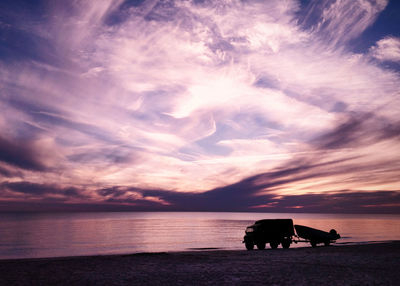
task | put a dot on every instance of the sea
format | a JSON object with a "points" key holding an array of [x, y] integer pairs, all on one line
{"points": [[37, 235]]}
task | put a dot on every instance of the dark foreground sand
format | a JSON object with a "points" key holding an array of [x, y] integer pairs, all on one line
{"points": [[371, 264]]}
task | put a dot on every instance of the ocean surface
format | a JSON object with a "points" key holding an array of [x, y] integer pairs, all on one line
{"points": [[28, 235]]}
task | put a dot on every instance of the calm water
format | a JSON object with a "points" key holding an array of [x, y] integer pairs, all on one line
{"points": [[73, 234]]}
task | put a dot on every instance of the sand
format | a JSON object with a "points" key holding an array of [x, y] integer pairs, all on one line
{"points": [[369, 264]]}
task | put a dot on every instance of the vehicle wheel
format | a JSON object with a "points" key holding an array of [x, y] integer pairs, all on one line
{"points": [[261, 245], [249, 245], [326, 243], [313, 243], [274, 245], [286, 243]]}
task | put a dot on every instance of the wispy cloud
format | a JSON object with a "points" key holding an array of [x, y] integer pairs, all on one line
{"points": [[340, 21], [192, 96]]}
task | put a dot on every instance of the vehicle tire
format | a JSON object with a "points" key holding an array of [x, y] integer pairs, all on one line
{"points": [[327, 243], [286, 243], [313, 243], [261, 245], [274, 245], [249, 245]]}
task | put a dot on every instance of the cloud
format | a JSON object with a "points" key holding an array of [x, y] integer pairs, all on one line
{"points": [[341, 202], [24, 190], [359, 130], [350, 202], [6, 171], [133, 196], [185, 97], [21, 154], [243, 196], [338, 22], [386, 49]]}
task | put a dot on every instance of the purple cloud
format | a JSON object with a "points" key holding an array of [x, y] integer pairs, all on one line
{"points": [[21, 154], [187, 104]]}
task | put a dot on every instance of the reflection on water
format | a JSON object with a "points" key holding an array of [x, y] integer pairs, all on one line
{"points": [[71, 234]]}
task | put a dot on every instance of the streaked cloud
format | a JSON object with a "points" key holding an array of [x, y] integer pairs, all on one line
{"points": [[342, 20], [189, 97]]}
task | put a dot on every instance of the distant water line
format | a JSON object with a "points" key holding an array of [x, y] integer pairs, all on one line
{"points": [[31, 235]]}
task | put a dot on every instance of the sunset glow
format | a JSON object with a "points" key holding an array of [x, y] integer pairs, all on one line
{"points": [[200, 105]]}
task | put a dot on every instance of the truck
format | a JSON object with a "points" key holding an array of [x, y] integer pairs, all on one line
{"points": [[272, 231], [282, 232]]}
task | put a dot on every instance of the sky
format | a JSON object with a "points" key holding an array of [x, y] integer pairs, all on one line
{"points": [[229, 105]]}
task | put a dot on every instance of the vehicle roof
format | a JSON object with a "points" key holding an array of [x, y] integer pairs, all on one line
{"points": [[274, 220]]}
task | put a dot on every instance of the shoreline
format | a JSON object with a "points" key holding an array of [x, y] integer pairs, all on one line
{"points": [[188, 250], [365, 264]]}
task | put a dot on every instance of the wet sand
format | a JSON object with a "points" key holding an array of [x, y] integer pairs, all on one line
{"points": [[369, 264]]}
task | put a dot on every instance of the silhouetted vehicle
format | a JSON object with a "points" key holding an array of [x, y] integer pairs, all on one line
{"points": [[272, 231], [315, 236], [281, 231]]}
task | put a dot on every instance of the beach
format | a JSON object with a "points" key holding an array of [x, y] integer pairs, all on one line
{"points": [[364, 264]]}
